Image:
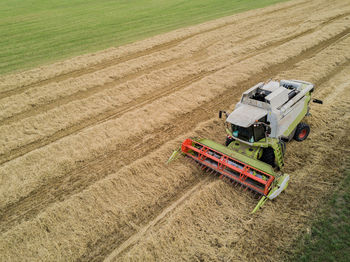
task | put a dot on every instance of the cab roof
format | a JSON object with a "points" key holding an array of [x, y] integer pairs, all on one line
{"points": [[246, 115]]}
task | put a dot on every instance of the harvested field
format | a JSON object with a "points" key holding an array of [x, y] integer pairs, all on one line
{"points": [[83, 142]]}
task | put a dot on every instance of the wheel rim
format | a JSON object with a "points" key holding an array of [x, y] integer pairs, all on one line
{"points": [[302, 134]]}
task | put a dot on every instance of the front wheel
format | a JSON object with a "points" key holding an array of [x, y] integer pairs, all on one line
{"points": [[302, 132]]}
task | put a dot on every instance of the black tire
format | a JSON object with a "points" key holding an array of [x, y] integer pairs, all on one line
{"points": [[228, 140], [302, 132], [268, 156]]}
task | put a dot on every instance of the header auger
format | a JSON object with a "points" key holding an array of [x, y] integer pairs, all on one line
{"points": [[267, 116]]}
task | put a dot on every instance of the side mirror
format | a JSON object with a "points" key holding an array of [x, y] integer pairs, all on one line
{"points": [[220, 113], [268, 129], [317, 101]]}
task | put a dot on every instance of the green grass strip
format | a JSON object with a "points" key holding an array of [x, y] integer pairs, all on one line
{"points": [[329, 239], [35, 32]]}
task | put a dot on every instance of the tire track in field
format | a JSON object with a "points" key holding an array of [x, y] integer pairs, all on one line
{"points": [[114, 61], [61, 188], [114, 113], [331, 74], [132, 240], [96, 89], [19, 151]]}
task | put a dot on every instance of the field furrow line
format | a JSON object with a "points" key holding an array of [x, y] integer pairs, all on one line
{"points": [[62, 187], [116, 112], [118, 219], [55, 92], [165, 212], [85, 93], [97, 119], [84, 142], [81, 94], [154, 47], [82, 87]]}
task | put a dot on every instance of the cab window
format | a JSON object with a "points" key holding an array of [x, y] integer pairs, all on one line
{"points": [[251, 134]]}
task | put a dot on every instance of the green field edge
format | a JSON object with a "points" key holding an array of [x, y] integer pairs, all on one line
{"points": [[29, 41], [327, 237]]}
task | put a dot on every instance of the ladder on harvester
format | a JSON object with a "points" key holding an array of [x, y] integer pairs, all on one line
{"points": [[277, 147]]}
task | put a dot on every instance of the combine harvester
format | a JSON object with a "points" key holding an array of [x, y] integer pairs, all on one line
{"points": [[268, 115]]}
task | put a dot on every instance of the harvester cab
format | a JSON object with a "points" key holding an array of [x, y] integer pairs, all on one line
{"points": [[267, 116]]}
